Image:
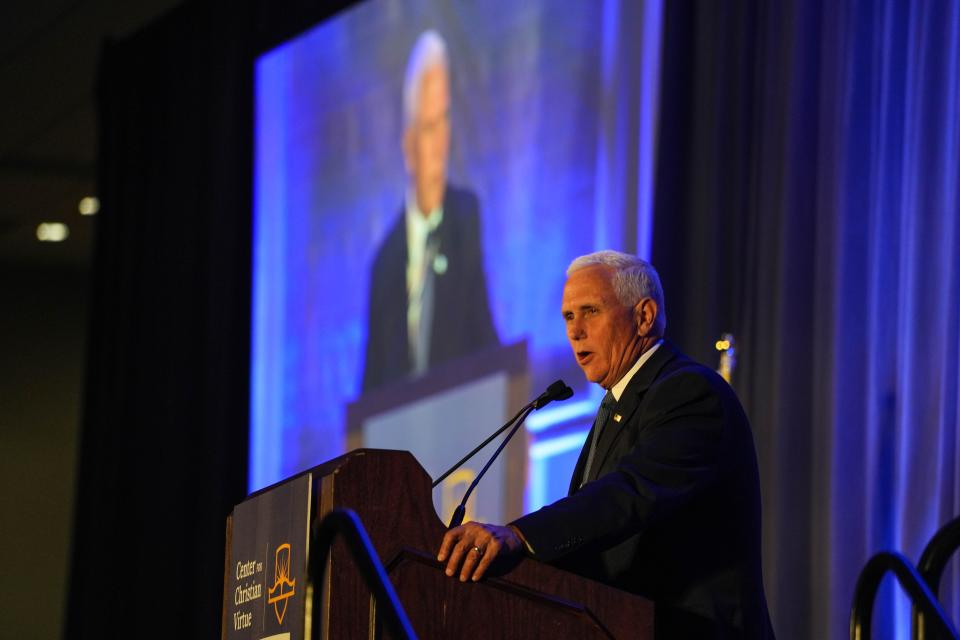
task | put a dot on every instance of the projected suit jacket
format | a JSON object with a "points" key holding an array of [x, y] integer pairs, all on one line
{"points": [[671, 509], [461, 321]]}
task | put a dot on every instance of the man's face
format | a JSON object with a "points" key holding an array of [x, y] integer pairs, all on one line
{"points": [[426, 142], [603, 332]]}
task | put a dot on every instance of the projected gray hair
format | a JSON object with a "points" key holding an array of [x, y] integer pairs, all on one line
{"points": [[633, 280], [428, 51]]}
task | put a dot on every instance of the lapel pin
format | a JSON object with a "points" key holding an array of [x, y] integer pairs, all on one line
{"points": [[617, 417], [440, 264]]}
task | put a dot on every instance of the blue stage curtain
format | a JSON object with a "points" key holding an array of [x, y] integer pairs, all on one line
{"points": [[893, 344], [807, 201]]}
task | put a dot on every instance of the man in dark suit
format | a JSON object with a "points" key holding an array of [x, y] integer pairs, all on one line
{"points": [[461, 322], [664, 500], [428, 293]]}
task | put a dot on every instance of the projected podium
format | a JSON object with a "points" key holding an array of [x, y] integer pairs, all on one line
{"points": [[267, 554], [441, 415]]}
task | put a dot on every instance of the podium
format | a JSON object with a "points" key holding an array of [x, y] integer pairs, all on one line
{"points": [[268, 550]]}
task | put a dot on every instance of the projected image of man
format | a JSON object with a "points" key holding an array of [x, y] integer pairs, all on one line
{"points": [[428, 293]]}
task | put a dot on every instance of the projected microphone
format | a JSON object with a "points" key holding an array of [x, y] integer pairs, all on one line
{"points": [[556, 391]]}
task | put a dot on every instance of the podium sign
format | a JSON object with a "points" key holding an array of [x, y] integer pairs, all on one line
{"points": [[265, 573]]}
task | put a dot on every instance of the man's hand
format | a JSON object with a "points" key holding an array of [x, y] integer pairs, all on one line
{"points": [[473, 546]]}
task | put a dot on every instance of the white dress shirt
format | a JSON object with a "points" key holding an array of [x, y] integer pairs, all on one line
{"points": [[618, 388]]}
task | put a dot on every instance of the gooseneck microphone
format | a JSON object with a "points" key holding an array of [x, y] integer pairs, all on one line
{"points": [[556, 391]]}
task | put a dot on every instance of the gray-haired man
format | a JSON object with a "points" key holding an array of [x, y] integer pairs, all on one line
{"points": [[664, 501]]}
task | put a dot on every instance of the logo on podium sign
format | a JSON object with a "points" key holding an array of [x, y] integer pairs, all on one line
{"points": [[283, 586]]}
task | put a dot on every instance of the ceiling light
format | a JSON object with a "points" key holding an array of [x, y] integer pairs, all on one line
{"points": [[89, 206], [52, 232]]}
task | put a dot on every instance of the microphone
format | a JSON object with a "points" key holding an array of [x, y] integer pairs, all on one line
{"points": [[556, 391]]}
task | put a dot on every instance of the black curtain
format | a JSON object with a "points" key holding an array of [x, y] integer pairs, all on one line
{"points": [[164, 441], [163, 452], [734, 226]]}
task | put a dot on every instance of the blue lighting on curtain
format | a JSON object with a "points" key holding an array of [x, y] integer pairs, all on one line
{"points": [[895, 466]]}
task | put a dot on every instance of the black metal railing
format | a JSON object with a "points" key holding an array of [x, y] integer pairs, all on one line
{"points": [[347, 523], [933, 561], [911, 581]]}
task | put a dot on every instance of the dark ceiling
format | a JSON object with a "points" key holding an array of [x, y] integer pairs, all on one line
{"points": [[48, 63]]}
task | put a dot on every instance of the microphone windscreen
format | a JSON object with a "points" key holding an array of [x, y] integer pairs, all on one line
{"points": [[555, 389]]}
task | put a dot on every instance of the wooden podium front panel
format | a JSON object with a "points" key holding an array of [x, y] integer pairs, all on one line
{"points": [[391, 497], [493, 607], [390, 493], [266, 589]]}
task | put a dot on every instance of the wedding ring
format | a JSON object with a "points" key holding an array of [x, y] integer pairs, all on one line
{"points": [[478, 551]]}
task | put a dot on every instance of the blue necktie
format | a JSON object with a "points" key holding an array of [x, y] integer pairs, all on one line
{"points": [[603, 415]]}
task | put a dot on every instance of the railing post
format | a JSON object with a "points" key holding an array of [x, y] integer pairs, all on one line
{"points": [[908, 577], [933, 561]]}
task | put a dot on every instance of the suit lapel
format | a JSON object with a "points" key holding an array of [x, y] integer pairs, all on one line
{"points": [[392, 301], [628, 405]]}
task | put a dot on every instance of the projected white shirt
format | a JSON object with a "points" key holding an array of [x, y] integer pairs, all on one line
{"points": [[419, 227]]}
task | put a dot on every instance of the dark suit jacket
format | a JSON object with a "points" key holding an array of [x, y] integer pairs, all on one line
{"points": [[461, 322], [672, 508]]}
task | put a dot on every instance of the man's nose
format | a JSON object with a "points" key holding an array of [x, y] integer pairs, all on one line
{"points": [[575, 330]]}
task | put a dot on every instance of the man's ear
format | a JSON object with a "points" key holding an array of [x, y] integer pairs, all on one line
{"points": [[645, 313]]}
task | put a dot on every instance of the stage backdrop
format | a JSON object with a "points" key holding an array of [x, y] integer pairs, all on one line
{"points": [[807, 191], [807, 199], [552, 115]]}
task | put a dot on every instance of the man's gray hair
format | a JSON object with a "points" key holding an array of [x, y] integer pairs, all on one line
{"points": [[633, 280], [428, 51]]}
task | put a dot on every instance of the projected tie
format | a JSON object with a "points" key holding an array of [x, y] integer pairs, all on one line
{"points": [[603, 415]]}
